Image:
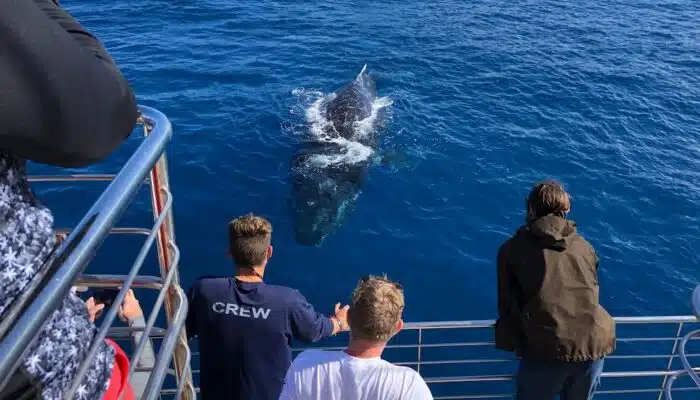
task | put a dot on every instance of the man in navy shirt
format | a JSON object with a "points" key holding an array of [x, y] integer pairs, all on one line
{"points": [[245, 326]]}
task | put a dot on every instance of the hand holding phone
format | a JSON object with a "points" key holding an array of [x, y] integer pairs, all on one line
{"points": [[105, 296]]}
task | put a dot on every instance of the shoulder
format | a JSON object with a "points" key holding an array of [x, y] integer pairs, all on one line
{"points": [[508, 245], [286, 292], [408, 372], [517, 236], [414, 383], [582, 242], [419, 389], [582, 247], [311, 357], [209, 281]]}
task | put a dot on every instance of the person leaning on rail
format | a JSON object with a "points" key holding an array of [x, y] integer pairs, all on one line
{"points": [[548, 305], [358, 372], [246, 326], [63, 102]]}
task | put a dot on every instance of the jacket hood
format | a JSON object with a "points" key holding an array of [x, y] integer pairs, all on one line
{"points": [[552, 231]]}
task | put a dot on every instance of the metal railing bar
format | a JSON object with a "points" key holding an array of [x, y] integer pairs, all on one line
{"points": [[116, 303], [638, 374], [670, 359], [688, 369], [168, 392], [491, 344], [420, 349], [457, 362], [509, 360], [72, 178], [159, 178], [630, 391], [119, 333], [186, 376], [489, 323], [509, 377], [463, 379], [136, 356], [74, 254], [167, 348], [477, 396], [115, 231], [115, 281], [684, 359]]}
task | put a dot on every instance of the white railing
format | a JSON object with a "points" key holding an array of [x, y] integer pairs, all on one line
{"points": [[687, 366], [458, 359]]}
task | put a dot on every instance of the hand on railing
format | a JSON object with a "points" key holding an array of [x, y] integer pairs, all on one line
{"points": [[94, 309], [130, 309]]}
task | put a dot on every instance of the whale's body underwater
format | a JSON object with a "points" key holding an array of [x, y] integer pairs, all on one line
{"points": [[325, 183]]}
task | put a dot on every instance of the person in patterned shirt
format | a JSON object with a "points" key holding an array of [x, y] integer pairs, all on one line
{"points": [[58, 85]]}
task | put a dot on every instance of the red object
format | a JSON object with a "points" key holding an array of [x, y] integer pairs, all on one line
{"points": [[118, 383]]}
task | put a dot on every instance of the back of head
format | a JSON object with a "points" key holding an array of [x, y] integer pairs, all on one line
{"points": [[249, 240], [375, 311], [547, 197]]}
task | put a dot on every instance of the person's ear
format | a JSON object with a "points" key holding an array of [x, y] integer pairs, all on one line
{"points": [[269, 252], [399, 326]]}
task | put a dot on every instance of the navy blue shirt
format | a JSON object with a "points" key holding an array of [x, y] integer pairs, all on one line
{"points": [[245, 332]]}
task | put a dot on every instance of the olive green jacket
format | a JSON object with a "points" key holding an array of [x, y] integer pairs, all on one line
{"points": [[548, 295]]}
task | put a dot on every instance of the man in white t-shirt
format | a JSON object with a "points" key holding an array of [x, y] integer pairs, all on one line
{"points": [[358, 372]]}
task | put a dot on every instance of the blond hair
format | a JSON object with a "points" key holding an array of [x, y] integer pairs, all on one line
{"points": [[548, 197], [377, 304], [249, 239]]}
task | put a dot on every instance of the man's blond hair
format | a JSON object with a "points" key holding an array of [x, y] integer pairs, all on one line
{"points": [[249, 239], [548, 197], [377, 304]]}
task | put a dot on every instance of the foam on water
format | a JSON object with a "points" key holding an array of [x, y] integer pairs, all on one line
{"points": [[351, 150]]}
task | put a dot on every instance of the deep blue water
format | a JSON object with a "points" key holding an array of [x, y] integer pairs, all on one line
{"points": [[488, 97]]}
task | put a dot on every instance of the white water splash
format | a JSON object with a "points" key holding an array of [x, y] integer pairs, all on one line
{"points": [[351, 150]]}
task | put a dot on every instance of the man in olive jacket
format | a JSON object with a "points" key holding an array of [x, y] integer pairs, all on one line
{"points": [[548, 303]]}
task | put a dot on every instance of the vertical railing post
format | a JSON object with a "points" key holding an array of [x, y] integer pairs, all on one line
{"points": [[159, 180], [670, 359], [420, 347]]}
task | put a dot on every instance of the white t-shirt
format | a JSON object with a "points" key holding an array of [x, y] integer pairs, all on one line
{"points": [[336, 375]]}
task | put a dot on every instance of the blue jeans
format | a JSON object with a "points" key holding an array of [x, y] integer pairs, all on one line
{"points": [[543, 380]]}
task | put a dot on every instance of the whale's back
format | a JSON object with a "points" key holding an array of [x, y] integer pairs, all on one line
{"points": [[351, 104]]}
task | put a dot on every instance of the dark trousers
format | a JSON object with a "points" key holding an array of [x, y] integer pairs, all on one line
{"points": [[543, 380]]}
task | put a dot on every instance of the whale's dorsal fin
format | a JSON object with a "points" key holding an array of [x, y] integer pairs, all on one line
{"points": [[362, 72]]}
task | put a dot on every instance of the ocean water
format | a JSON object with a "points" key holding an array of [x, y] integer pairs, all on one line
{"points": [[486, 98]]}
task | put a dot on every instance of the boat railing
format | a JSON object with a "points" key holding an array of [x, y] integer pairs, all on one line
{"points": [[25, 318], [683, 355], [458, 359]]}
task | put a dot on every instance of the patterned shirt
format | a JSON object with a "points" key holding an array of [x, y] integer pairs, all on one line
{"points": [[26, 240]]}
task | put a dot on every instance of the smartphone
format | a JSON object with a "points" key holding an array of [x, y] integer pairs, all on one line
{"points": [[105, 295]]}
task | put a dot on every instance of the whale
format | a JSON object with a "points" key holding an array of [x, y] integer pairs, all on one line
{"points": [[325, 183]]}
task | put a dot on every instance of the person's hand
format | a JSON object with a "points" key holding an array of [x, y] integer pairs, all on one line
{"points": [[60, 237], [130, 309], [341, 314], [94, 309]]}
